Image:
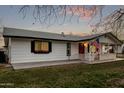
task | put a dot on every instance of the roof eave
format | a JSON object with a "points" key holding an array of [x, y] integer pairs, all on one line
{"points": [[39, 38]]}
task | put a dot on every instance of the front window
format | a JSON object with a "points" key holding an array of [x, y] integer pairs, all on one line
{"points": [[41, 47], [108, 49]]}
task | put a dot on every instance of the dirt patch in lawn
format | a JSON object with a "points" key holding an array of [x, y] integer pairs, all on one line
{"points": [[116, 82], [4, 66]]}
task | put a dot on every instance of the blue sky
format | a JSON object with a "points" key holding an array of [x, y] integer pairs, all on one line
{"points": [[10, 17]]}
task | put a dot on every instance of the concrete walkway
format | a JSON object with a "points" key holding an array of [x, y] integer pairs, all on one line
{"points": [[52, 63], [42, 64]]}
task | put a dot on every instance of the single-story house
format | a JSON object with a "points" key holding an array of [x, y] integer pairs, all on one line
{"points": [[25, 46]]}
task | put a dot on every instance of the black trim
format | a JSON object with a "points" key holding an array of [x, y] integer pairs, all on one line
{"points": [[50, 46], [88, 48], [64, 40], [116, 38], [39, 38], [40, 52], [32, 46], [48, 39], [102, 35]]}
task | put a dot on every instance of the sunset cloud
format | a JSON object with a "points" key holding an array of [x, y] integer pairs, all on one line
{"points": [[82, 11]]}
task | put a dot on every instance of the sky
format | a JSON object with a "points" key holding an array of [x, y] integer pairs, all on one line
{"points": [[9, 17]]}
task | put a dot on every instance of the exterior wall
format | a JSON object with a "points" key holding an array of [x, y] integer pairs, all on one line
{"points": [[106, 40], [120, 48], [107, 56], [21, 51], [74, 51]]}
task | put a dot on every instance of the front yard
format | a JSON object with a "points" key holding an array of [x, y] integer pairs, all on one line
{"points": [[74, 75]]}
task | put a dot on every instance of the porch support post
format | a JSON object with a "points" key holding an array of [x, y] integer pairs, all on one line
{"points": [[9, 50], [90, 54], [89, 47], [108, 46]]}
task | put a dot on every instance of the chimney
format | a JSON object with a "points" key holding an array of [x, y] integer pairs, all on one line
{"points": [[62, 33]]}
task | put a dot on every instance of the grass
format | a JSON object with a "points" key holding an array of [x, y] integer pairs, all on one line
{"points": [[73, 75]]}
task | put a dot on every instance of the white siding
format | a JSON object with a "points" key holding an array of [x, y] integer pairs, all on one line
{"points": [[21, 51], [120, 48], [106, 39], [74, 51]]}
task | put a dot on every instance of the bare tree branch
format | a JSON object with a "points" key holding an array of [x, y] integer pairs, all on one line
{"points": [[51, 14], [112, 23]]}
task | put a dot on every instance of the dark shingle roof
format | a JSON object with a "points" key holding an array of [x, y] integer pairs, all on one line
{"points": [[13, 32]]}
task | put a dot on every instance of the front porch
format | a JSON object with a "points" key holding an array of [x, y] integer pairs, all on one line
{"points": [[90, 58], [97, 50]]}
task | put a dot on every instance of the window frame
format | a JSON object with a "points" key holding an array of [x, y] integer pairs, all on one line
{"points": [[68, 51], [40, 51]]}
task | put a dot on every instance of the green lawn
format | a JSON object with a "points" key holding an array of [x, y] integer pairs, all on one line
{"points": [[74, 75]]}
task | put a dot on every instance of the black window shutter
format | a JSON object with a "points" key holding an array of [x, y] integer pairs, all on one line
{"points": [[68, 49], [32, 46], [50, 46]]}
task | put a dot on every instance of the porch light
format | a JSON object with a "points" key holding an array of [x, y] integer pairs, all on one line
{"points": [[86, 44]]}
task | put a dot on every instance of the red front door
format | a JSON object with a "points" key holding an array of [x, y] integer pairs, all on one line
{"points": [[81, 48]]}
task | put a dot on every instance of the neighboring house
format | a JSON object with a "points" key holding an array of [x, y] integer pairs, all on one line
{"points": [[121, 37], [25, 46]]}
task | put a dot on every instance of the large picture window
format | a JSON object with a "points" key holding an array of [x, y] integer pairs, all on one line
{"points": [[40, 46]]}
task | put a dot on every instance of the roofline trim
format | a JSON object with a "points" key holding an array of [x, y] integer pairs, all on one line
{"points": [[38, 38], [64, 40], [103, 35]]}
